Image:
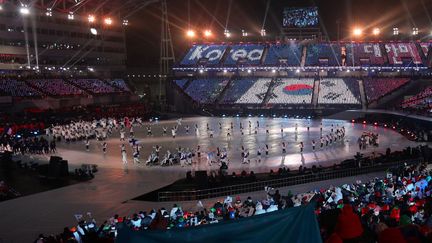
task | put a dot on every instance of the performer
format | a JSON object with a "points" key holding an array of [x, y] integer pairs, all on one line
{"points": [[87, 144], [187, 129], [313, 145], [149, 131], [266, 149], [122, 135], [124, 155], [283, 147], [301, 147], [164, 130], [104, 147]]}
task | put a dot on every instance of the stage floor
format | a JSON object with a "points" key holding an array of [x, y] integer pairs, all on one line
{"points": [[76, 154], [22, 219]]}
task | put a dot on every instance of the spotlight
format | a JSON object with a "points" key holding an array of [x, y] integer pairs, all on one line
{"points": [[395, 31], [93, 31], [375, 124], [24, 10], [201, 71], [364, 122], [91, 18], [125, 22], [274, 71], [357, 32], [227, 33], [352, 120], [208, 33], [71, 16], [190, 33], [244, 33], [376, 31], [108, 21], [298, 71], [48, 12], [1, 7], [263, 32], [415, 31], [225, 71], [249, 71]]}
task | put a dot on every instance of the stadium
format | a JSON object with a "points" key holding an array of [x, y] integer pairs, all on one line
{"points": [[198, 120]]}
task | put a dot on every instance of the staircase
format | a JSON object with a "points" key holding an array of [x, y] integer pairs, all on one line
{"points": [[303, 59], [362, 94], [315, 93], [222, 93], [269, 91]]}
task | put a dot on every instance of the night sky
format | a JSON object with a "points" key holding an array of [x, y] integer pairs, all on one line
{"points": [[143, 33]]}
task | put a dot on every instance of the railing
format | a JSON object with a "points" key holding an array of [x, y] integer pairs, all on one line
{"points": [[277, 183]]}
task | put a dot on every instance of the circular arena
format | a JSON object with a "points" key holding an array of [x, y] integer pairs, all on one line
{"points": [[193, 121]]}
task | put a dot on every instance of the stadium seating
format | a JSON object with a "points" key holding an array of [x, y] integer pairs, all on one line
{"points": [[420, 100], [425, 47], [365, 54], [245, 54], [403, 54], [256, 93], [292, 91], [206, 90], [339, 91], [208, 54], [181, 82], [323, 54], [284, 54], [246, 91], [377, 88], [119, 84], [95, 86], [18, 89], [55, 87]]}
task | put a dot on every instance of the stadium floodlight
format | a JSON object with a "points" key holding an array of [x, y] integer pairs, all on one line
{"points": [[208, 33], [357, 31], [376, 31], [227, 33], [263, 32], [415, 31], [108, 21], [24, 10], [125, 22], [93, 31], [71, 16], [190, 34], [245, 33], [48, 12], [395, 31], [91, 18]]}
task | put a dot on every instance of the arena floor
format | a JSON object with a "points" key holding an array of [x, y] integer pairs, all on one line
{"points": [[76, 154], [22, 219]]}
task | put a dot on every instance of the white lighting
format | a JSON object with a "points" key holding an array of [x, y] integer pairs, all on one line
{"points": [[415, 31], [357, 31], [225, 71], [263, 32], [244, 33], [395, 31], [298, 70], [125, 22], [71, 16], [249, 71], [24, 10], [1, 7], [273, 71], [227, 33], [48, 12], [91, 19], [108, 21], [93, 31], [201, 71]]}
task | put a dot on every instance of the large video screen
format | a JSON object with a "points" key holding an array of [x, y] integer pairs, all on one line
{"points": [[300, 17]]}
